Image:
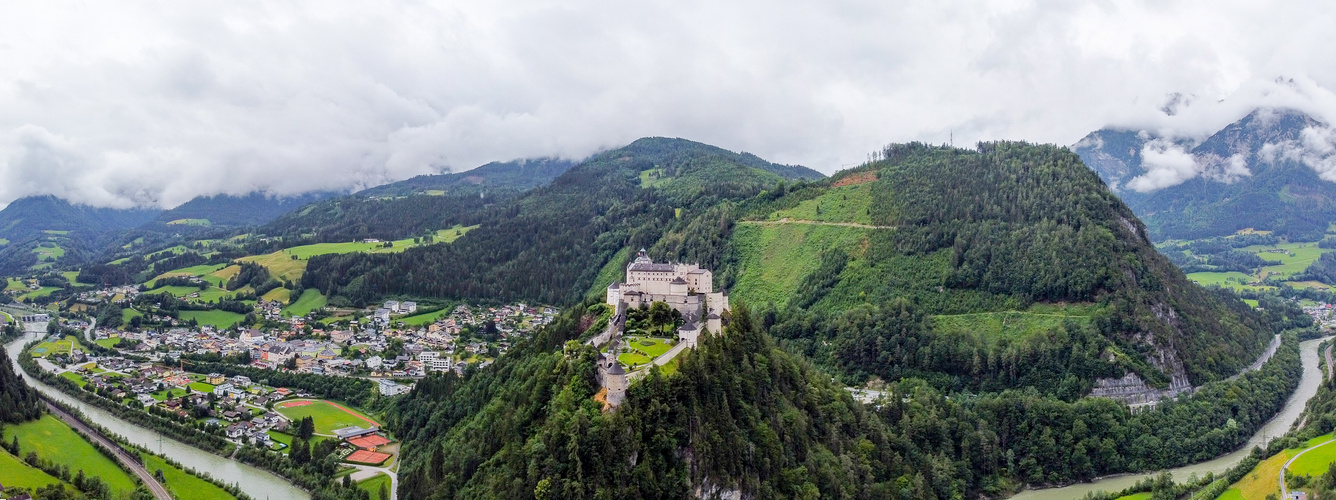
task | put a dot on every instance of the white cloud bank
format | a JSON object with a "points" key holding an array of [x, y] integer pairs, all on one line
{"points": [[121, 104]]}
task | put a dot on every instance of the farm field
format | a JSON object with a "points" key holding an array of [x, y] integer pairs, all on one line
{"points": [[1303, 255], [127, 314], [39, 293], [198, 271], [15, 473], [52, 439], [1233, 279], [308, 251], [183, 485], [47, 251], [75, 377], [1135, 496], [215, 318], [201, 387], [190, 222], [328, 416], [310, 300]]}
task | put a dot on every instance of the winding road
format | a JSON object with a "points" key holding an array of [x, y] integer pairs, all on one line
{"points": [[125, 458]]}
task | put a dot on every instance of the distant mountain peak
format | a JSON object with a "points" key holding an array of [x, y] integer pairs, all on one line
{"points": [[1265, 157]]}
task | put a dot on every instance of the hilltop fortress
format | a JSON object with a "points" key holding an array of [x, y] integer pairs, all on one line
{"points": [[686, 288]]}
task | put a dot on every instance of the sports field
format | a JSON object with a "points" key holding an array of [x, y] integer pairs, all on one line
{"points": [[328, 416], [53, 440], [373, 486], [368, 457]]}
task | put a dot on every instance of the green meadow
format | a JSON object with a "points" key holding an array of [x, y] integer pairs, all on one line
{"points": [[53, 440]]}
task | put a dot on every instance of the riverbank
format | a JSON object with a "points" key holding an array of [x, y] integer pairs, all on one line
{"points": [[252, 481], [1278, 425]]}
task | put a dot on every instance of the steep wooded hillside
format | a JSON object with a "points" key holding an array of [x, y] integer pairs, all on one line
{"points": [[46, 229], [986, 289], [233, 211], [549, 244]]}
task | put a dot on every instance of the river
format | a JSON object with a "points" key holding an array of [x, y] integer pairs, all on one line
{"points": [[257, 483], [1276, 427]]}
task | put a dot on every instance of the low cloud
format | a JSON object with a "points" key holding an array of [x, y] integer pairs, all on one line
{"points": [[1315, 148], [1167, 164], [153, 104]]}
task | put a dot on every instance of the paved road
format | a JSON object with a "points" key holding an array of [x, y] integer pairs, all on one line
{"points": [[158, 490], [1284, 492]]}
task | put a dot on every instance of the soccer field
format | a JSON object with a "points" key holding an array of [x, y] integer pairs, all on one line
{"points": [[328, 416]]}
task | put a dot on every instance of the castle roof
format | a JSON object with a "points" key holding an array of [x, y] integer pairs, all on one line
{"points": [[651, 267], [614, 286], [689, 326], [616, 369], [678, 281], [713, 316], [698, 271]]}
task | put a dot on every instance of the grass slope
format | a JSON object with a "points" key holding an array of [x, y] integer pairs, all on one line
{"points": [[215, 318], [776, 258], [311, 300], [183, 485], [52, 439]]}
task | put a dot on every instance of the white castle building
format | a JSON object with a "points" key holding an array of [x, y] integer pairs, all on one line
{"points": [[685, 287]]}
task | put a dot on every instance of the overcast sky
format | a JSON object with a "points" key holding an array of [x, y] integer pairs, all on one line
{"points": [[117, 103]]}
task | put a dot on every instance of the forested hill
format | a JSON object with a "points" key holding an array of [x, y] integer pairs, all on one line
{"points": [[982, 290], [549, 244], [1251, 174], [234, 211], [1011, 264], [41, 229], [416, 206], [517, 175]]}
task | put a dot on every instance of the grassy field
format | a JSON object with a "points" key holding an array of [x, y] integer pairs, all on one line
{"points": [[308, 251], [127, 314], [841, 204], [201, 387], [633, 359], [373, 485], [215, 318], [426, 318], [310, 300], [47, 251], [1297, 258], [183, 485], [190, 222], [225, 273], [648, 346], [654, 177], [280, 265], [1012, 324], [15, 473], [1135, 496], [279, 294], [327, 416], [52, 439], [776, 258], [1315, 462], [75, 377], [1261, 481], [108, 343], [62, 346], [39, 293], [198, 271], [176, 291], [1233, 280]]}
